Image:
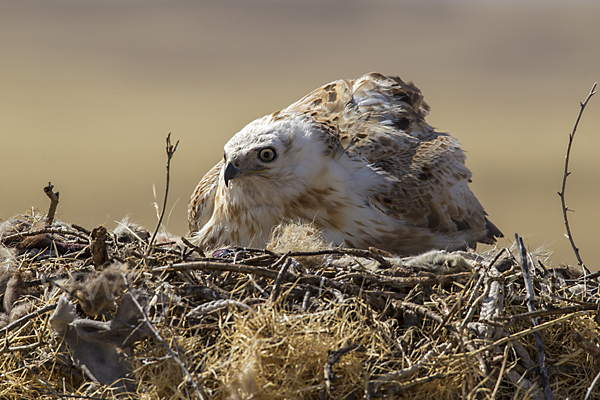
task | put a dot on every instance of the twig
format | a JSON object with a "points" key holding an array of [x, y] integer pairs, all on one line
{"points": [[408, 372], [27, 317], [334, 358], [447, 317], [27, 347], [565, 209], [53, 203], [541, 357], [216, 305], [426, 312], [393, 282], [170, 152], [193, 247], [45, 382], [280, 276], [542, 313], [420, 381], [588, 346], [474, 305], [502, 369], [190, 379], [81, 229], [352, 252], [591, 388], [533, 329], [218, 266]]}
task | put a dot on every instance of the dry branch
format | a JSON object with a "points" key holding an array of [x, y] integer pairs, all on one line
{"points": [[189, 378], [541, 354], [170, 152], [566, 174]]}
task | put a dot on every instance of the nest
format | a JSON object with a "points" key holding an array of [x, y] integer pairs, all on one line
{"points": [[101, 314]]}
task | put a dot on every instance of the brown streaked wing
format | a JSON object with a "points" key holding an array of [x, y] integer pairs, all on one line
{"points": [[381, 119], [202, 201]]}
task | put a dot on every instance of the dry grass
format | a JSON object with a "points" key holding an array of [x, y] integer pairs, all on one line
{"points": [[338, 329]]}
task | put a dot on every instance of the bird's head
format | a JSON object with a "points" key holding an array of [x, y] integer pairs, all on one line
{"points": [[256, 161], [271, 150]]}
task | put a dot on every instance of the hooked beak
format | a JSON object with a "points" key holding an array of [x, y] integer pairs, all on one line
{"points": [[231, 172]]}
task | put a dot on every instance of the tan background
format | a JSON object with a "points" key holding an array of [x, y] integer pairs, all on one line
{"points": [[89, 89]]}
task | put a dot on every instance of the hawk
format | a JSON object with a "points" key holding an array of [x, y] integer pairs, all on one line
{"points": [[355, 158]]}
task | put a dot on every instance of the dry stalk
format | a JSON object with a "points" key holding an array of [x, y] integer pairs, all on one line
{"points": [[543, 313], [502, 369], [170, 152], [413, 369], [541, 354], [525, 332], [280, 276], [591, 388], [190, 379], [565, 208]]}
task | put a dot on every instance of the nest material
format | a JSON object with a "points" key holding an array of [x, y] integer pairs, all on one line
{"points": [[299, 320]]}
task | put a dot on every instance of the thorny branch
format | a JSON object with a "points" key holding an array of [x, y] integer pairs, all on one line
{"points": [[170, 152], [565, 208]]}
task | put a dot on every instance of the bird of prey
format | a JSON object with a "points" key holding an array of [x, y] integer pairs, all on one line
{"points": [[355, 158]]}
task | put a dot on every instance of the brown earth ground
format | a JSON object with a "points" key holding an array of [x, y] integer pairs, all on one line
{"points": [[90, 90]]}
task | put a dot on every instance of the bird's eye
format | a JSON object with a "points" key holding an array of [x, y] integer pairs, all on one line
{"points": [[267, 154]]}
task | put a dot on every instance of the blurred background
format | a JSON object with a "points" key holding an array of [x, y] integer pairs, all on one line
{"points": [[89, 89]]}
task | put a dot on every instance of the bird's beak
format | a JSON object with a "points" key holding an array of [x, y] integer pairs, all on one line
{"points": [[231, 172]]}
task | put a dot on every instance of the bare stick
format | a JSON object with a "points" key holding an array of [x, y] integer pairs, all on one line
{"points": [[170, 152], [53, 203], [565, 209], [529, 331], [543, 313], [26, 318], [189, 378], [280, 276], [502, 369], [591, 388], [192, 246], [534, 321], [390, 281], [588, 346], [334, 358]]}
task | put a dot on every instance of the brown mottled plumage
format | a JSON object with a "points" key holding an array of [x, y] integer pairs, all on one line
{"points": [[356, 158]]}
